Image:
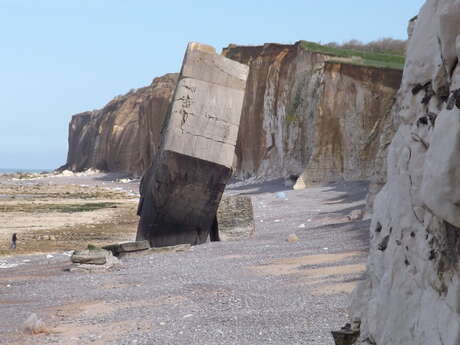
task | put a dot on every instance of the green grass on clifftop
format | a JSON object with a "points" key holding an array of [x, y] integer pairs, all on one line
{"points": [[357, 57]]}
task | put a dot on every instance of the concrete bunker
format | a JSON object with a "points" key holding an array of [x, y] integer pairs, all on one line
{"points": [[181, 191]]}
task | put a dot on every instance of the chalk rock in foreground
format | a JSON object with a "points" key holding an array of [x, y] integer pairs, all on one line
{"points": [[181, 191], [412, 293]]}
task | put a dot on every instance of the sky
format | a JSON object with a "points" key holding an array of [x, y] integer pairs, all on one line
{"points": [[59, 58]]}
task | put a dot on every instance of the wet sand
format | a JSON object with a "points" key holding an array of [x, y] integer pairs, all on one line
{"points": [[61, 213]]}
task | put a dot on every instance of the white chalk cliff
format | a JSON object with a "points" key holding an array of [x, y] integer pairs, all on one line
{"points": [[412, 292]]}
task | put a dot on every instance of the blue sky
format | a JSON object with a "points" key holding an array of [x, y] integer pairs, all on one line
{"points": [[59, 57]]}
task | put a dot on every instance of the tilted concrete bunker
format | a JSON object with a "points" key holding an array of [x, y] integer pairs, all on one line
{"points": [[181, 191]]}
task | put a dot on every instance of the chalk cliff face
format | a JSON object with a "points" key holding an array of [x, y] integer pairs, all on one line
{"points": [[307, 112], [412, 292], [378, 176], [304, 113], [123, 136]]}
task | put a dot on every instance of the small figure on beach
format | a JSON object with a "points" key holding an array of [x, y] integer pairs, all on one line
{"points": [[14, 238]]}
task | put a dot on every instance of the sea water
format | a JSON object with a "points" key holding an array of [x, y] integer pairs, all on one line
{"points": [[22, 170]]}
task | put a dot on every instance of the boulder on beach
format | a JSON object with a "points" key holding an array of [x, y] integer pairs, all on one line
{"points": [[90, 257]]}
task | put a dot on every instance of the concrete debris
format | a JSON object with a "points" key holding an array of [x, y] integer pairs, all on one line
{"points": [[92, 260], [96, 260], [127, 247], [181, 191], [91, 257]]}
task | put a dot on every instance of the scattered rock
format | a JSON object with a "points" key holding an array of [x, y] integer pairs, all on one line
{"points": [[281, 195], [127, 247], [34, 325], [292, 238], [67, 173], [92, 261], [300, 184], [125, 180], [91, 257], [355, 215]]}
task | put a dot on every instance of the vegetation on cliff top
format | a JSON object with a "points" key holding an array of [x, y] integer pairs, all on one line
{"points": [[357, 57], [385, 45]]}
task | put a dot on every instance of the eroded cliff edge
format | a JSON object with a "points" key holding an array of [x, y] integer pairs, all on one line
{"points": [[412, 292], [124, 135], [305, 112], [311, 113]]}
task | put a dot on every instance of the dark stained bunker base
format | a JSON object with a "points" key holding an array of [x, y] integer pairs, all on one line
{"points": [[177, 203]]}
